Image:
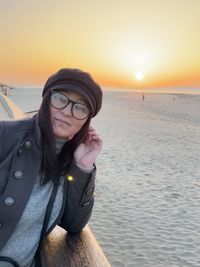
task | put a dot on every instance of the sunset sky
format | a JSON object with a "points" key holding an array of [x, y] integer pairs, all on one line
{"points": [[122, 43]]}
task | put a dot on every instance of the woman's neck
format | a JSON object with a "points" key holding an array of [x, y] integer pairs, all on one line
{"points": [[59, 143]]}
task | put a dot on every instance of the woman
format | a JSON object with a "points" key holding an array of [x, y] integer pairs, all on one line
{"points": [[47, 168]]}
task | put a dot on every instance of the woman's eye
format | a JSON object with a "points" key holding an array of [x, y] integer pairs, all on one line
{"points": [[61, 99], [81, 108]]}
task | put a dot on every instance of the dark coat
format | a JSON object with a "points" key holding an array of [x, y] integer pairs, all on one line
{"points": [[20, 161]]}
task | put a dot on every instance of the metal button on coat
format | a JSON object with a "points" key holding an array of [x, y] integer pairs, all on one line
{"points": [[18, 175], [1, 224], [20, 151], [9, 201], [28, 144]]}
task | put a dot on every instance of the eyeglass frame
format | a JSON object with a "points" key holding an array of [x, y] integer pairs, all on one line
{"points": [[69, 101]]}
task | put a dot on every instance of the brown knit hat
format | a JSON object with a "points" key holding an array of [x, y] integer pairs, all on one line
{"points": [[77, 81]]}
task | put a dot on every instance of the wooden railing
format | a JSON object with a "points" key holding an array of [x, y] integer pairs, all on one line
{"points": [[81, 250]]}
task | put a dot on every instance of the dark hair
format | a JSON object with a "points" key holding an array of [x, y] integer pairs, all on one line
{"points": [[54, 165]]}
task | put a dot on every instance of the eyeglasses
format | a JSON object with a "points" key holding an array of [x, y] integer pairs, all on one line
{"points": [[78, 110]]}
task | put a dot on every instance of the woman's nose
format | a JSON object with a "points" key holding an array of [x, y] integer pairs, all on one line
{"points": [[68, 109]]}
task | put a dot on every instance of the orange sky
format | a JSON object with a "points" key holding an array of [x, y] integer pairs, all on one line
{"points": [[111, 39]]}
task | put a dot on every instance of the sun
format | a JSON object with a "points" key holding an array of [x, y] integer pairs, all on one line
{"points": [[139, 75]]}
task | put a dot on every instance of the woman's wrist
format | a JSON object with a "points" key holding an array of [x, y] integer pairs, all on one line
{"points": [[85, 168]]}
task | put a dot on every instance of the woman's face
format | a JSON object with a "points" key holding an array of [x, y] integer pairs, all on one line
{"points": [[63, 122]]}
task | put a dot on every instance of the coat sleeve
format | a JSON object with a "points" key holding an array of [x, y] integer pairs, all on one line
{"points": [[79, 199]]}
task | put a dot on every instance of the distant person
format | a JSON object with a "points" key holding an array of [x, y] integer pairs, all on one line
{"points": [[142, 97], [47, 167]]}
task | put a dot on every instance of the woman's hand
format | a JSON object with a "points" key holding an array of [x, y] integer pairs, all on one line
{"points": [[86, 153]]}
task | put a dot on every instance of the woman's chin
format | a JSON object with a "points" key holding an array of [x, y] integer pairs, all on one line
{"points": [[60, 133]]}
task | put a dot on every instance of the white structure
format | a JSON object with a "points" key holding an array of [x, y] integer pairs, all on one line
{"points": [[8, 109]]}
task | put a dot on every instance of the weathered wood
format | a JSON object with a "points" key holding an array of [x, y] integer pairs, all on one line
{"points": [[63, 250]]}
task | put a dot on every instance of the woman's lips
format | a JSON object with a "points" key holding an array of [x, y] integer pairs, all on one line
{"points": [[63, 122]]}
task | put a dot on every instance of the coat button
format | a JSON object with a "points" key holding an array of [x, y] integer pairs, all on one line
{"points": [[1, 224], [9, 201], [28, 144], [18, 175], [20, 151]]}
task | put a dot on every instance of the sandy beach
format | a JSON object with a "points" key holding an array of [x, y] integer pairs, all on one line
{"points": [[147, 205]]}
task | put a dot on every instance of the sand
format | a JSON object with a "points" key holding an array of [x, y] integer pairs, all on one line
{"points": [[147, 206]]}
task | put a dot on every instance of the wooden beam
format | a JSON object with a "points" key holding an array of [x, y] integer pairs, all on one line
{"points": [[81, 250]]}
